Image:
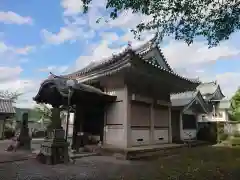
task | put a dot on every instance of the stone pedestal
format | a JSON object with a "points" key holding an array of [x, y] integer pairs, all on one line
{"points": [[24, 140], [54, 149]]}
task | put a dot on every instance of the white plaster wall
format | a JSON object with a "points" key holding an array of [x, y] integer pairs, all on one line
{"points": [[115, 112], [161, 136], [209, 117], [137, 134], [115, 119], [114, 136]]}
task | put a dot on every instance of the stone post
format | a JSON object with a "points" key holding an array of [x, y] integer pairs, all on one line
{"points": [[54, 149], [24, 140], [78, 136]]}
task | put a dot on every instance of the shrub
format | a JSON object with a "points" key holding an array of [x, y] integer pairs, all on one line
{"points": [[223, 136], [9, 133], [236, 134], [235, 141]]}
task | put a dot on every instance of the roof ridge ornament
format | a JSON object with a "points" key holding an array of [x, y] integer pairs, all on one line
{"points": [[129, 44], [52, 76]]}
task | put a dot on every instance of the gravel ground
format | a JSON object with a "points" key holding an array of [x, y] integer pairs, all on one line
{"points": [[100, 168], [195, 164]]}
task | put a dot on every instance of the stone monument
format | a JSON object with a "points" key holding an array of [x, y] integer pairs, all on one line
{"points": [[54, 149], [23, 140]]}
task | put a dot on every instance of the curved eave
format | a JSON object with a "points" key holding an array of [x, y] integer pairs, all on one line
{"points": [[101, 64], [52, 91], [218, 90], [193, 81], [46, 86], [197, 98]]}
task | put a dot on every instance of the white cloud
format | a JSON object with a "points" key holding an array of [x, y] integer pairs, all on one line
{"points": [[198, 60], [13, 18], [97, 53], [128, 20], [110, 36], [65, 34], [68, 33], [54, 69], [10, 80], [179, 54], [229, 82], [25, 50], [72, 7], [4, 48], [9, 73]]}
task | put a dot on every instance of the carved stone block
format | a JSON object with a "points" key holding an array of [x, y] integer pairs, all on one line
{"points": [[54, 150]]}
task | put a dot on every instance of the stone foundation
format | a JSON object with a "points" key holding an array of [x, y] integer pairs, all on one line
{"points": [[54, 150]]}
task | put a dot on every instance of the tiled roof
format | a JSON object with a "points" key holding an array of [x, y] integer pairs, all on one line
{"points": [[207, 88], [60, 83], [141, 51], [182, 99], [6, 106], [186, 98], [211, 90]]}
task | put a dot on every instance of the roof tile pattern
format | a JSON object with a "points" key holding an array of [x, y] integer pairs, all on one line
{"points": [[140, 51], [207, 88], [183, 99], [6, 106]]}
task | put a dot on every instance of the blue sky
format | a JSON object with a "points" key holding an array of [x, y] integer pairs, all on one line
{"points": [[37, 37]]}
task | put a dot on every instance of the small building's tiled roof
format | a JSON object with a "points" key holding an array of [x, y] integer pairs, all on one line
{"points": [[207, 88], [185, 99], [211, 91], [182, 99], [6, 106]]}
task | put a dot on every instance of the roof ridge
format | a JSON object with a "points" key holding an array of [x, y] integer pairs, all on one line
{"points": [[209, 82], [106, 60]]}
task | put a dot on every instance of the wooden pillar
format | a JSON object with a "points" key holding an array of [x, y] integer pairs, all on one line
{"points": [[55, 118], [170, 124], [127, 118], [181, 125], [77, 127], [152, 125]]}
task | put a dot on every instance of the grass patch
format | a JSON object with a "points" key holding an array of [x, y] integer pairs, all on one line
{"points": [[197, 163]]}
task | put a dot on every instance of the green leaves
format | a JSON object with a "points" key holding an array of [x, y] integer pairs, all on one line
{"points": [[235, 106], [184, 20]]}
